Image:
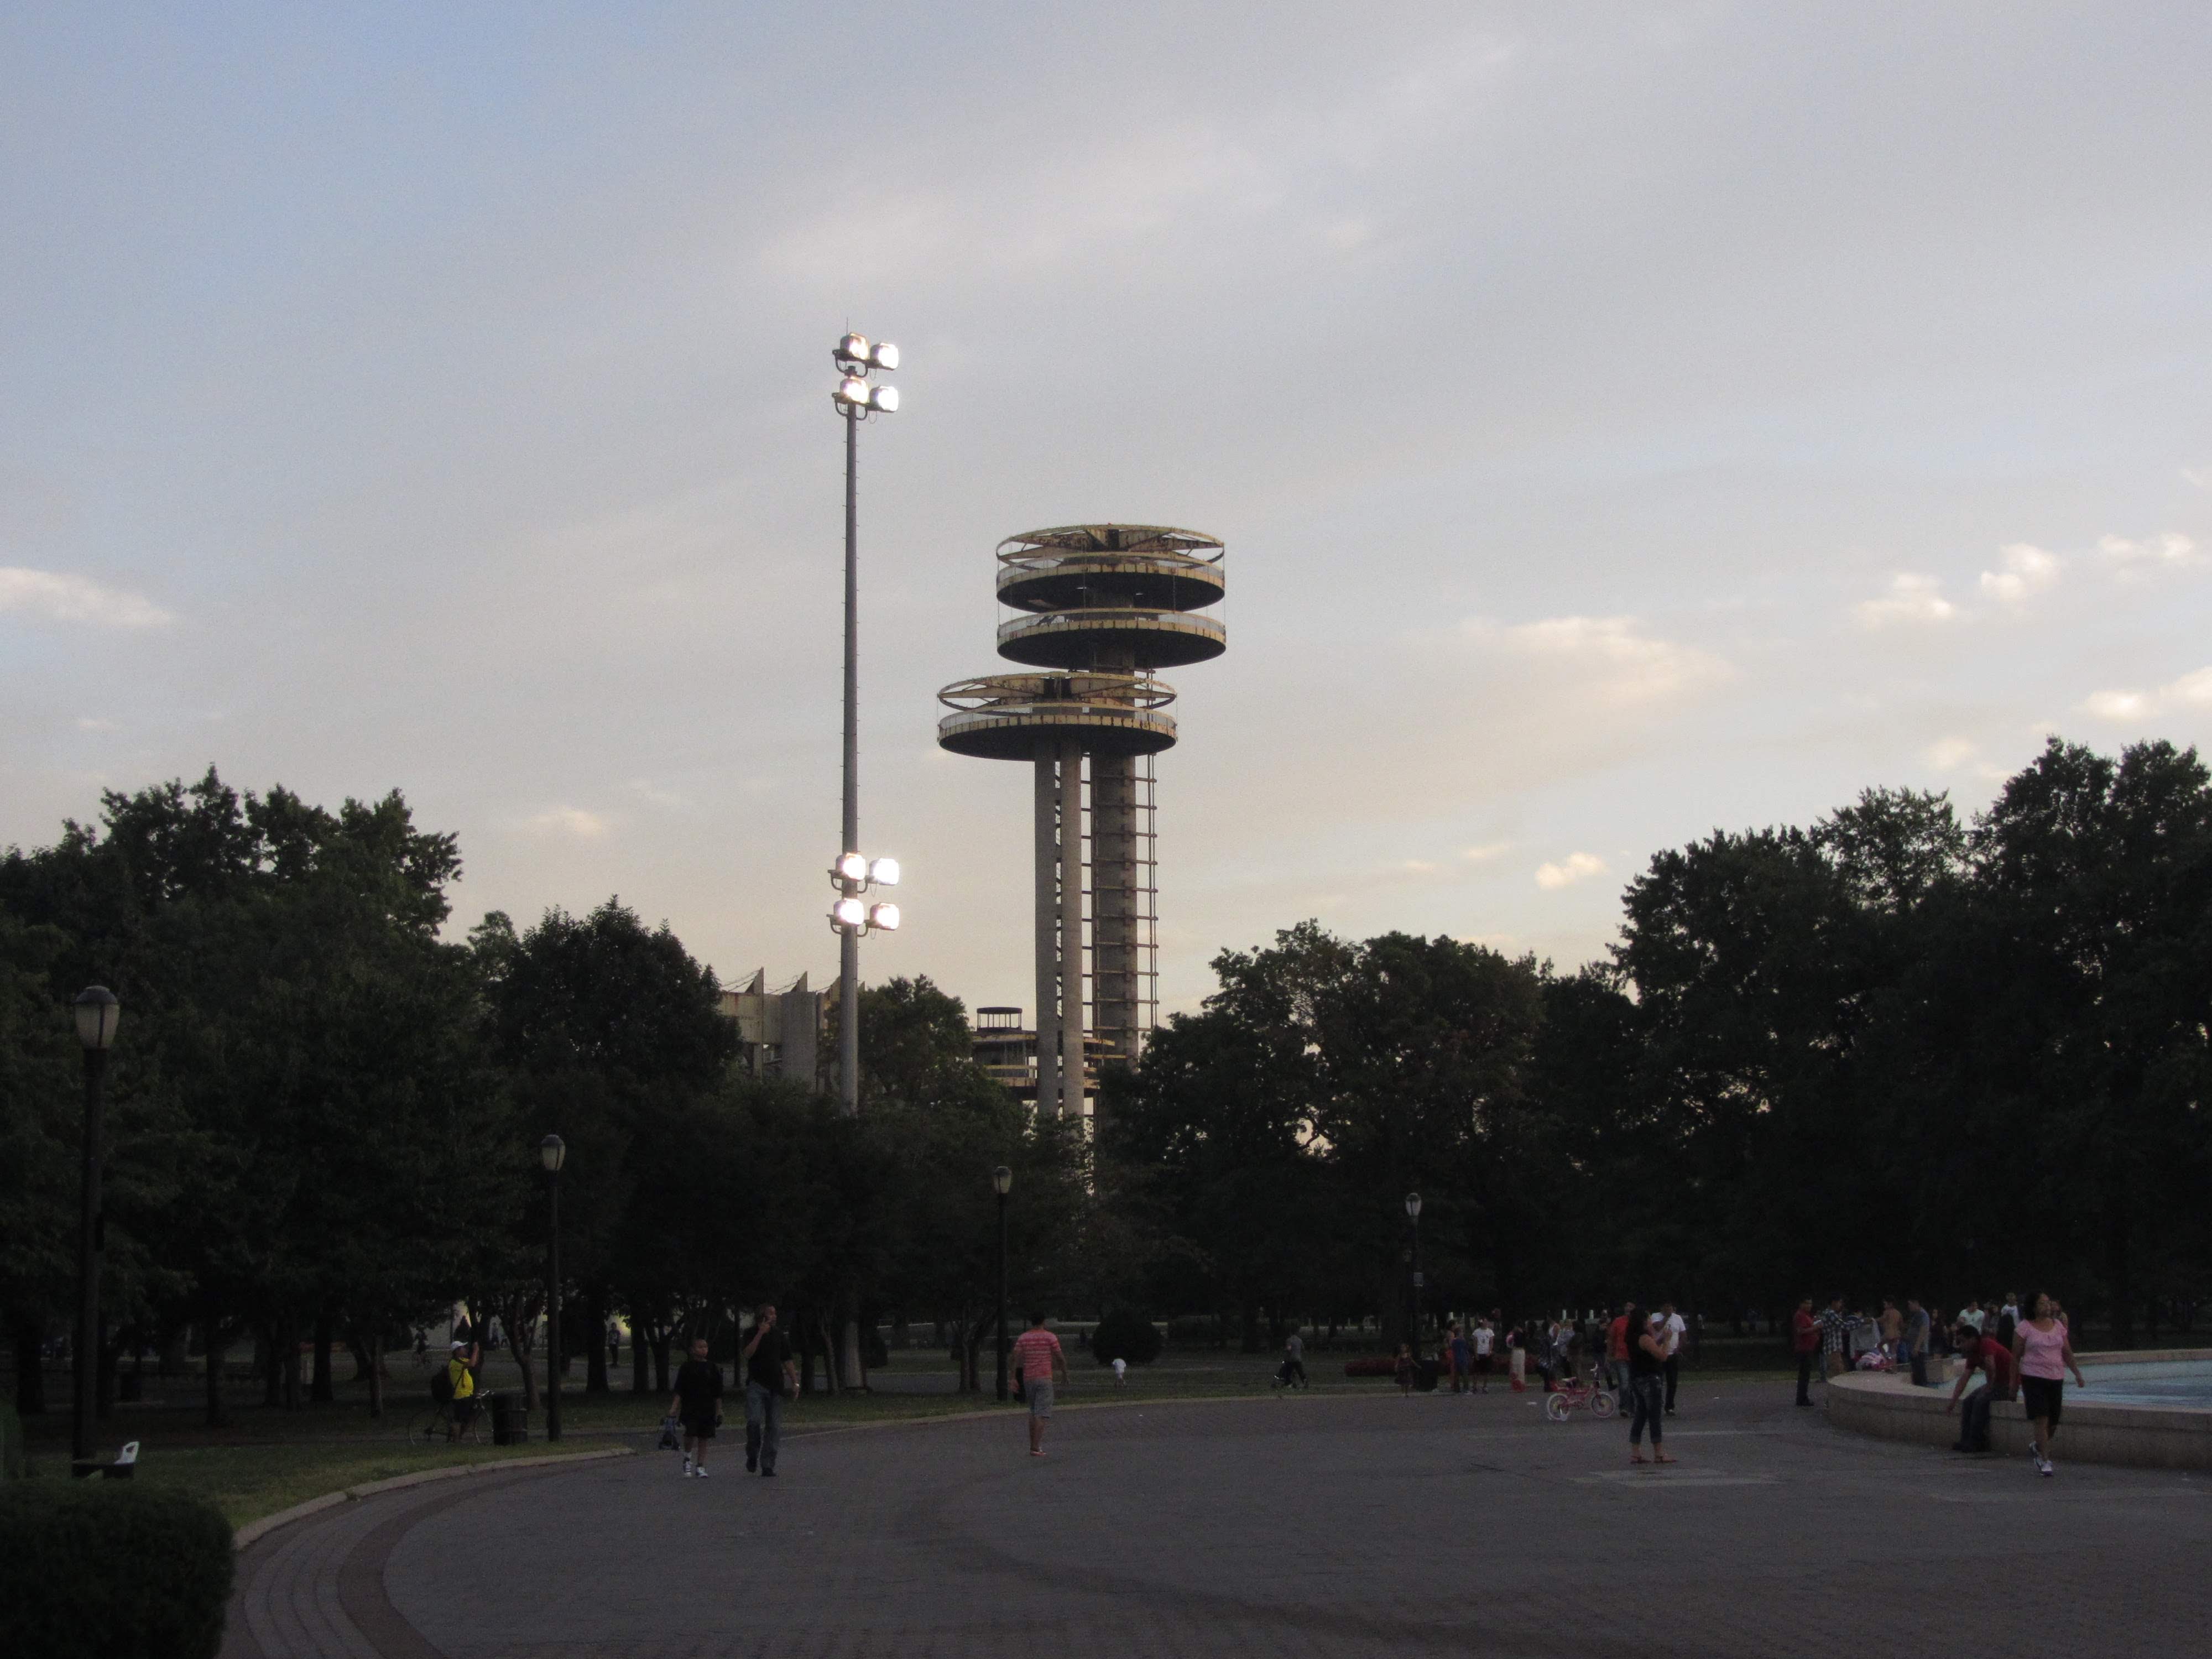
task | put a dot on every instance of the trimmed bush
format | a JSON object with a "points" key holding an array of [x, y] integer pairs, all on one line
{"points": [[1125, 1333], [112, 1570]]}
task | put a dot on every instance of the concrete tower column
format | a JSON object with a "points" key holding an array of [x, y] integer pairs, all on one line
{"points": [[1046, 814], [1073, 1023], [1116, 906]]}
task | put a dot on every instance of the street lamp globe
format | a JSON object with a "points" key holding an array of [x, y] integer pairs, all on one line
{"points": [[98, 1012], [552, 1152], [1002, 1179], [1413, 1207]]}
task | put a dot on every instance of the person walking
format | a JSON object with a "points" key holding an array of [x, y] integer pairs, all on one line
{"points": [[1805, 1338], [1462, 1360], [1647, 1362], [1994, 1362], [697, 1404], [771, 1378], [1038, 1360], [2043, 1353], [1916, 1333], [1674, 1327], [1517, 1360], [1294, 1359], [1616, 1357], [1486, 1339]]}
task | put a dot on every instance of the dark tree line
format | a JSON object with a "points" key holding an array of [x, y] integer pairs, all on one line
{"points": [[1890, 1052], [324, 1118]]}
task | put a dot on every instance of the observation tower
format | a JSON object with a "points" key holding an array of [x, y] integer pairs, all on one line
{"points": [[1098, 608]]}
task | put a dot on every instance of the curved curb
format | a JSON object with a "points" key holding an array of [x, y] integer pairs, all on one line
{"points": [[253, 1531]]}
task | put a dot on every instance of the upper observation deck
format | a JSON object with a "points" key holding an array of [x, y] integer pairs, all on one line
{"points": [[1007, 716], [1091, 566], [1110, 638]]}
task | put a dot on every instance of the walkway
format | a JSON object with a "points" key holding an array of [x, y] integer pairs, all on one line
{"points": [[1278, 1526]]}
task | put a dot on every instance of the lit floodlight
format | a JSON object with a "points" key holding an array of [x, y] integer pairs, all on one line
{"points": [[848, 915], [854, 348], [883, 398], [851, 866], [883, 917], [884, 873], [885, 355], [852, 390]]}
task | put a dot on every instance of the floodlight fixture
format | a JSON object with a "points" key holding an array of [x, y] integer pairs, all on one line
{"points": [[884, 399], [853, 391], [851, 866], [885, 355], [884, 873], [854, 348], [884, 917], [849, 915]]}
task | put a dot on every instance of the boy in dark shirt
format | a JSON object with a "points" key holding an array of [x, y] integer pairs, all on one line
{"points": [[698, 1404]]}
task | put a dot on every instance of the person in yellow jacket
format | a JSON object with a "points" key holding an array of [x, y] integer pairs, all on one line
{"points": [[461, 1373]]}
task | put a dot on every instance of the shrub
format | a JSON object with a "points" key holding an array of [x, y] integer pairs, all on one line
{"points": [[112, 1570], [1125, 1333]]}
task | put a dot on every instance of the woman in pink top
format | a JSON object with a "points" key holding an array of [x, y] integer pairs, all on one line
{"points": [[2041, 1347]]}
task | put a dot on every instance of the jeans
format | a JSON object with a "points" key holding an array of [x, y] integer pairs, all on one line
{"points": [[1648, 1394], [763, 1426], [1920, 1369], [1673, 1371], [1805, 1378], [1974, 1419]]}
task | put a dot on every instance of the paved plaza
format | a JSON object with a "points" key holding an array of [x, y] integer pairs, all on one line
{"points": [[1296, 1525]]}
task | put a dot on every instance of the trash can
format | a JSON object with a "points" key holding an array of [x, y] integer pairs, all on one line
{"points": [[510, 1421]]}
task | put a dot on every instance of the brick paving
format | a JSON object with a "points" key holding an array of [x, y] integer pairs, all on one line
{"points": [[1276, 1526]]}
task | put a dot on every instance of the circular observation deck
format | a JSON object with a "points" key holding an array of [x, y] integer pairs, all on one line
{"points": [[1137, 636], [1006, 716], [1078, 567]]}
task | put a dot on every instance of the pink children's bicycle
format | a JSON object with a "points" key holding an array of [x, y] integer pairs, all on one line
{"points": [[1579, 1396]]}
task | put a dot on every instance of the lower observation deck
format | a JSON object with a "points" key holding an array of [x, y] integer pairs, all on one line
{"points": [[1149, 638], [1007, 716]]}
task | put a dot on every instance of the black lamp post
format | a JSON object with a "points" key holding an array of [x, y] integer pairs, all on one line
{"points": [[1414, 1215], [97, 1013], [1002, 1183], [552, 1152]]}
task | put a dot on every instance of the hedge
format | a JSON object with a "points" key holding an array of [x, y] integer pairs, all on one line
{"points": [[111, 1570]]}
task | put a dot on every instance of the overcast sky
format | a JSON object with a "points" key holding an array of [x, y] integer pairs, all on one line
{"points": [[1624, 421]]}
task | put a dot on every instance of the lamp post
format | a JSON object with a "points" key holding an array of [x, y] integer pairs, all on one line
{"points": [[1414, 1215], [855, 399], [552, 1152], [98, 1012], [1002, 1183]]}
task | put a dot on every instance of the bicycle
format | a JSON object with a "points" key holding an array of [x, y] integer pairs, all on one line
{"points": [[430, 1427], [1579, 1396]]}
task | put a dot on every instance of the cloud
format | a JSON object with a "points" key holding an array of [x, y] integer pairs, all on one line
{"points": [[1611, 656], [1487, 851], [2190, 692], [1949, 754], [76, 600], [2028, 569], [1912, 599], [1576, 866], [572, 821], [2199, 476], [2167, 552], [646, 788]]}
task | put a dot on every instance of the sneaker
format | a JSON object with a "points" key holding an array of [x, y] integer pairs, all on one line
{"points": [[768, 1471], [752, 1465], [687, 1469], [701, 1471], [2046, 1465]]}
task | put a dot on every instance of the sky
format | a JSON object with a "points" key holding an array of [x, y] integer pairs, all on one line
{"points": [[1623, 422]]}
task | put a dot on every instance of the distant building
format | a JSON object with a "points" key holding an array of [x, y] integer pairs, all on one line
{"points": [[1007, 1049], [783, 1031]]}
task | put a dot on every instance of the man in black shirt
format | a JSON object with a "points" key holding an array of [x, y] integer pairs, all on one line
{"points": [[698, 1403], [769, 1376]]}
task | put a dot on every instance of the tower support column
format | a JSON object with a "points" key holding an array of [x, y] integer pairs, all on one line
{"points": [[1073, 1024], [1116, 913], [1047, 832]]}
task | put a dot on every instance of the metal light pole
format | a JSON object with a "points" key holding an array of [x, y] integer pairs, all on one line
{"points": [[855, 400], [552, 1152], [97, 1013], [1002, 1182], [1413, 1214]]}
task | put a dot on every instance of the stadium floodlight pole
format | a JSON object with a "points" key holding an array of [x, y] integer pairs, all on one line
{"points": [[98, 1012], [855, 400]]}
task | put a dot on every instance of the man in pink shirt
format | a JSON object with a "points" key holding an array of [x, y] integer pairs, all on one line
{"points": [[1039, 1362]]}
